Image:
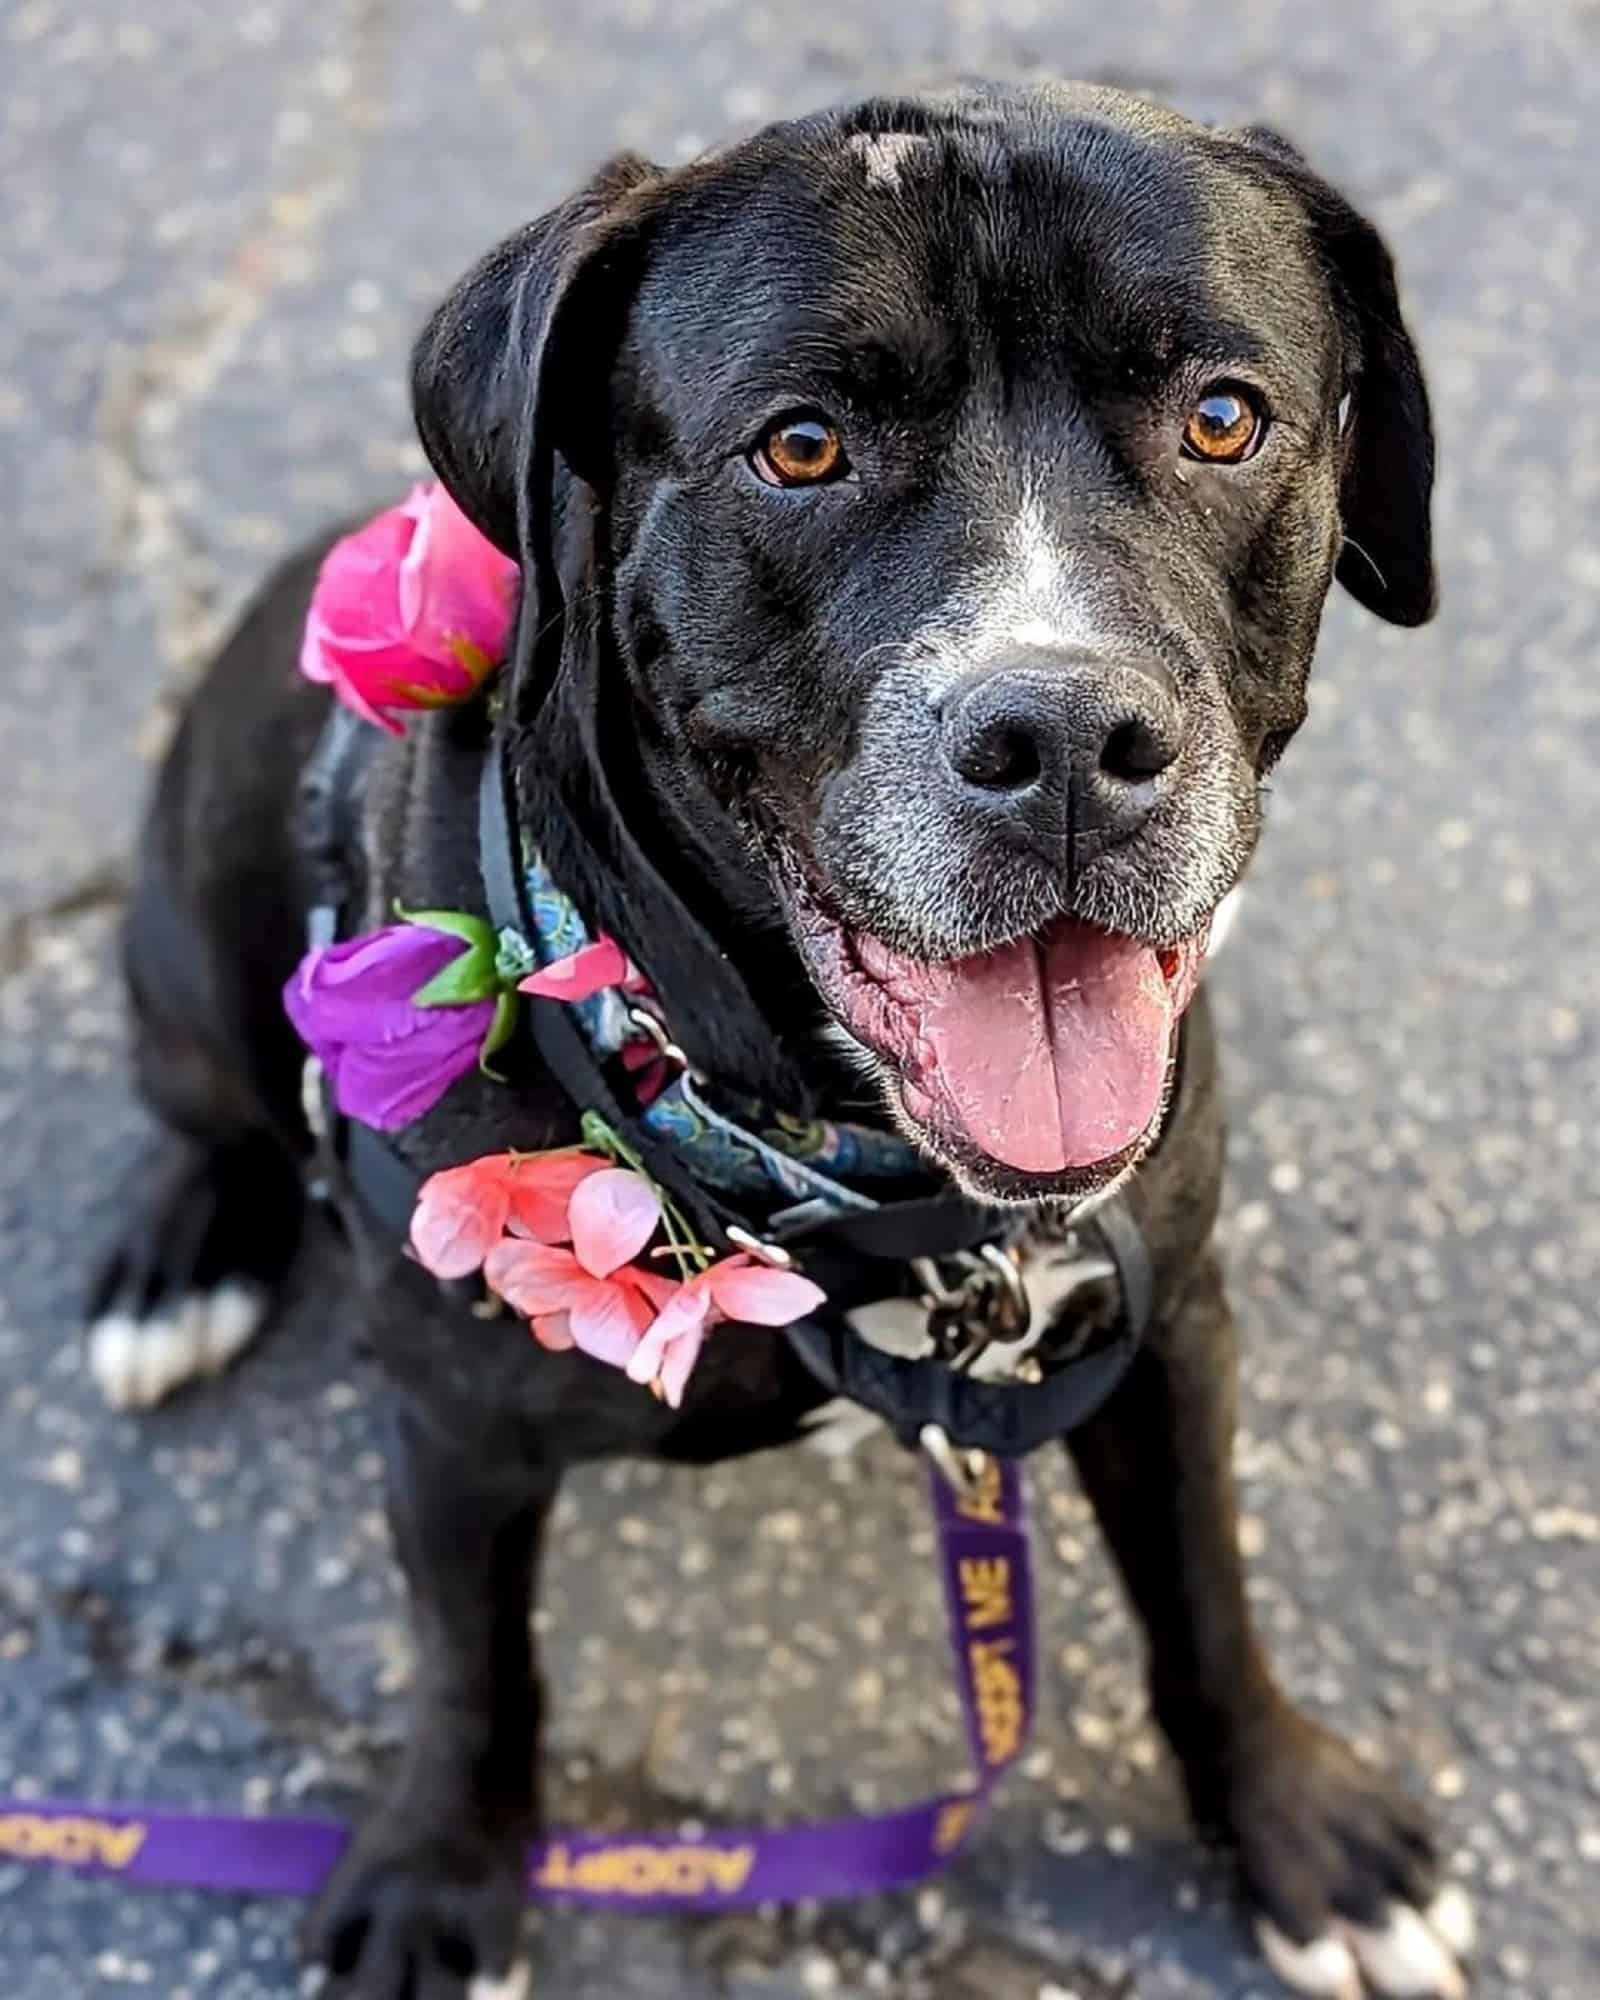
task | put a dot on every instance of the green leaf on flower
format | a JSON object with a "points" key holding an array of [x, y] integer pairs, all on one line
{"points": [[501, 1029], [599, 1138], [476, 931], [462, 983], [465, 980]]}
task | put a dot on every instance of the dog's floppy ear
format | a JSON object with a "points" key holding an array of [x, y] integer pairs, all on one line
{"points": [[487, 369], [1387, 482]]}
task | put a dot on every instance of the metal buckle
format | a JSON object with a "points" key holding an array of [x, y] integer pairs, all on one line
{"points": [[743, 1239], [962, 1471], [1015, 1307], [988, 1303], [646, 1022]]}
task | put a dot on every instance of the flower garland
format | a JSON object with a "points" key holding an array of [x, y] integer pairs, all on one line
{"points": [[414, 612], [556, 1235]]}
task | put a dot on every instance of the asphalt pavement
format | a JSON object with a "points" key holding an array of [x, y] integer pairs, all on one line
{"points": [[222, 226]]}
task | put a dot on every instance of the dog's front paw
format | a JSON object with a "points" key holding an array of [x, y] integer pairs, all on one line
{"points": [[421, 1917], [1340, 1868], [206, 1242]]}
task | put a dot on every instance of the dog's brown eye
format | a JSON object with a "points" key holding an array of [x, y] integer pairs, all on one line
{"points": [[801, 451], [1224, 427]]}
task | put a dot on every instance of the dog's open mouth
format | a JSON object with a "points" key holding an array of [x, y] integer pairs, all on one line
{"points": [[1048, 1056]]}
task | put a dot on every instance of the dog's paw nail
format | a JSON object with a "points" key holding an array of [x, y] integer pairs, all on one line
{"points": [[138, 1362], [514, 1985], [1325, 1967], [1451, 1917], [1405, 1960]]}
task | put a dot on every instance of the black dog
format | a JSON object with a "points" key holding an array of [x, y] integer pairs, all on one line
{"points": [[925, 514]]}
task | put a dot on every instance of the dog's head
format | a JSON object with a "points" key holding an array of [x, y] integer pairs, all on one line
{"points": [[935, 503]]}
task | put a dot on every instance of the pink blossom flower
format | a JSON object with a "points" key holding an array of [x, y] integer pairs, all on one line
{"points": [[413, 611], [462, 1213], [737, 1288], [589, 1296], [555, 1235], [583, 973]]}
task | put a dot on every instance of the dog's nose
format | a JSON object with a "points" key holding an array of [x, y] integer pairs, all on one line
{"points": [[1064, 739]]}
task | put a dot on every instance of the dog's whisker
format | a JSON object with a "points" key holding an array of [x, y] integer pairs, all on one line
{"points": [[1366, 556]]}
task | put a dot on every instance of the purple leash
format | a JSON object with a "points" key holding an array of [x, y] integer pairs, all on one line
{"points": [[989, 1595]]}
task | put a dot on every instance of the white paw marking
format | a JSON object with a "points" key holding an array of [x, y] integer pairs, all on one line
{"points": [[234, 1320], [1412, 1957], [513, 1987], [1325, 1967], [1451, 1918], [138, 1362], [1404, 1960]]}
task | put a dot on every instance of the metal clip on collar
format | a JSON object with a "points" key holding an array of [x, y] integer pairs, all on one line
{"points": [[988, 1303], [647, 1023], [962, 1471], [742, 1239]]}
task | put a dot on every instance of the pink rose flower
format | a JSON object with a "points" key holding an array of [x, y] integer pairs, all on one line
{"points": [[413, 611]]}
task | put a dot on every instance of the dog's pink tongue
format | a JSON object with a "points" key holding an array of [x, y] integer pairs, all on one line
{"points": [[1048, 1054]]}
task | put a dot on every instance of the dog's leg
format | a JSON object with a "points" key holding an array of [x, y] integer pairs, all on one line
{"points": [[209, 1220], [212, 1215], [427, 1905], [1336, 1861], [207, 1229]]}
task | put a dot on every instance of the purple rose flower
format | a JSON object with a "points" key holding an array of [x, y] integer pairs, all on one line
{"points": [[355, 1006]]}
